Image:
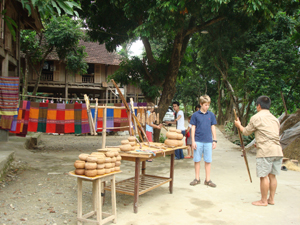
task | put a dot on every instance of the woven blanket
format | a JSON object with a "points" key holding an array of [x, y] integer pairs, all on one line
{"points": [[117, 117], [33, 116], [69, 119], [51, 118], [6, 122], [85, 127], [42, 121], [14, 123], [22, 125], [77, 117], [110, 118], [60, 118], [100, 120], [124, 120], [9, 96]]}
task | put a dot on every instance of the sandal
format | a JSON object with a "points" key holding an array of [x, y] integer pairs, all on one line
{"points": [[210, 183], [195, 182]]}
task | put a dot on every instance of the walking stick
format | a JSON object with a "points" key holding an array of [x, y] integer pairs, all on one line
{"points": [[243, 148]]}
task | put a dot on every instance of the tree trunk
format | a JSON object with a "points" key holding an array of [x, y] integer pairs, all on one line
{"points": [[37, 82], [220, 119], [25, 79]]}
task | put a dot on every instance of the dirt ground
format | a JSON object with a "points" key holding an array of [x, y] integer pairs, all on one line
{"points": [[38, 189]]}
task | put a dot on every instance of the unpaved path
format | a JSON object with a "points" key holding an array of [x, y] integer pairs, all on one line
{"points": [[43, 193]]}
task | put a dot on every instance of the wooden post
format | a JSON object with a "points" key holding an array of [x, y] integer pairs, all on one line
{"points": [[136, 185], [79, 199], [172, 172], [104, 127], [106, 95]]}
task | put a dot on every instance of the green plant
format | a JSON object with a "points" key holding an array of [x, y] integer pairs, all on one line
{"points": [[229, 127], [162, 138]]}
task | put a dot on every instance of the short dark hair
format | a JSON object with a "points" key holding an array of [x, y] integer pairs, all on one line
{"points": [[177, 103], [197, 106], [264, 102]]}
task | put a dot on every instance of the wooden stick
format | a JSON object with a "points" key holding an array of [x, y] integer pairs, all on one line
{"points": [[113, 128], [135, 127], [86, 98], [243, 148]]}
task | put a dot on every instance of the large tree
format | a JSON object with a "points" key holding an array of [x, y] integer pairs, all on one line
{"points": [[61, 34], [172, 23]]}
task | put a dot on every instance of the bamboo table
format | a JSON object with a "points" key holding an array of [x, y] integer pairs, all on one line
{"points": [[142, 183], [97, 205]]}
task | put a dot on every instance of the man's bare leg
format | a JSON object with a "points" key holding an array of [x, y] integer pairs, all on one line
{"points": [[264, 188], [197, 170], [273, 186], [207, 171]]}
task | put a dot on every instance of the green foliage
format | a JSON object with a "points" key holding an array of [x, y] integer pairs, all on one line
{"points": [[50, 8], [229, 127], [10, 23], [162, 138]]}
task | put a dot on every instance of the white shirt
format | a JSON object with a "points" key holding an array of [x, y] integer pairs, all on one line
{"points": [[180, 122]]}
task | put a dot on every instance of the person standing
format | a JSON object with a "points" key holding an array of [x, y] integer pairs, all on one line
{"points": [[179, 121], [269, 152], [204, 139]]}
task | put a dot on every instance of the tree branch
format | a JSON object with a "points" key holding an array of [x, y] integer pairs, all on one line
{"points": [[148, 49], [204, 25]]}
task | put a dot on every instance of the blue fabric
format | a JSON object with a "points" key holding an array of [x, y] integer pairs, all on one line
{"points": [[205, 149], [149, 128], [179, 152], [203, 123]]}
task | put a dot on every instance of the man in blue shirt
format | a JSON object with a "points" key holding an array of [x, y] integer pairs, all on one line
{"points": [[204, 139]]}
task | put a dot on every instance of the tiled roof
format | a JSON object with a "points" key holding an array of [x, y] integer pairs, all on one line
{"points": [[95, 54]]}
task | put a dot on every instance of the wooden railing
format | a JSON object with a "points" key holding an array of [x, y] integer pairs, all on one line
{"points": [[46, 77], [87, 79]]}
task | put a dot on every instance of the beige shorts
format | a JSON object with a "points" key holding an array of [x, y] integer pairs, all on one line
{"points": [[267, 165]]}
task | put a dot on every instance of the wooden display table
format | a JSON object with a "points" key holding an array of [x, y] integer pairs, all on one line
{"points": [[140, 184], [97, 205]]}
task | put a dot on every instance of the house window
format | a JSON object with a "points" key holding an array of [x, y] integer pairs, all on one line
{"points": [[47, 72], [89, 77]]}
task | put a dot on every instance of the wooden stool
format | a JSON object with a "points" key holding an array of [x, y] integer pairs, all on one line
{"points": [[96, 195]]}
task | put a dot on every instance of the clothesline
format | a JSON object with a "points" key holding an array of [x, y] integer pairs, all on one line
{"points": [[60, 98]]}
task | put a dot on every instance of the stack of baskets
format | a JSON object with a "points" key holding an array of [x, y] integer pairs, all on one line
{"points": [[174, 138], [98, 163], [128, 145]]}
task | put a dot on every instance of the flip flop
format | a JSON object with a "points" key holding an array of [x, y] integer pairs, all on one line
{"points": [[188, 157]]}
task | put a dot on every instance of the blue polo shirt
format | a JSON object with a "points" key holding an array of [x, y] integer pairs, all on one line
{"points": [[203, 123]]}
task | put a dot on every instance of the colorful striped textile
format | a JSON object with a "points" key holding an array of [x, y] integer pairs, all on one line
{"points": [[124, 120], [85, 127], [6, 122], [51, 118], [77, 118], [14, 123], [69, 119], [110, 118], [42, 121], [117, 116], [60, 118], [100, 120], [33, 116], [23, 124], [9, 96]]}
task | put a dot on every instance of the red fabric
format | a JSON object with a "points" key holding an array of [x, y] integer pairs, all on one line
{"points": [[149, 136]]}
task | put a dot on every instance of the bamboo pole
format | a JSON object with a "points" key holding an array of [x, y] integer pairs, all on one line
{"points": [[87, 102], [104, 128], [96, 114], [135, 127]]}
